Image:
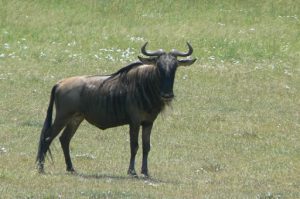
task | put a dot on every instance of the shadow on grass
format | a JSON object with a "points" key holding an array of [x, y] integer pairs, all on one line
{"points": [[108, 177], [103, 176], [150, 180]]}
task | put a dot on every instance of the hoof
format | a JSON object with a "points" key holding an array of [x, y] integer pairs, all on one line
{"points": [[71, 170], [132, 173], [41, 171], [40, 168], [145, 174]]}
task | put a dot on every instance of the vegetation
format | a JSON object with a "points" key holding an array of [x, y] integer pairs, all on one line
{"points": [[233, 130]]}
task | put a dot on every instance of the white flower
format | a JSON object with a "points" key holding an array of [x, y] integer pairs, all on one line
{"points": [[3, 150], [6, 46], [42, 54], [212, 58], [137, 38]]}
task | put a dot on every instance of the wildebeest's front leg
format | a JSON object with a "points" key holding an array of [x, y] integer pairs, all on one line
{"points": [[134, 145], [146, 147]]}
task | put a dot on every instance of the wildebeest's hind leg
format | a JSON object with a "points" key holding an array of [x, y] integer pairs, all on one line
{"points": [[66, 137], [46, 139]]}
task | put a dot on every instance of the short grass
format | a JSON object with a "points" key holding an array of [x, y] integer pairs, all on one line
{"points": [[233, 130]]}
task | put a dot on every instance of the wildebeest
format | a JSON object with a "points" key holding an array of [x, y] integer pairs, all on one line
{"points": [[134, 95]]}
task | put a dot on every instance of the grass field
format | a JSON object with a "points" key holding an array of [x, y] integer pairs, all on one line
{"points": [[233, 130]]}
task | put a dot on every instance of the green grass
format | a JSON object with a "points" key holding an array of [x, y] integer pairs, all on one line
{"points": [[233, 130]]}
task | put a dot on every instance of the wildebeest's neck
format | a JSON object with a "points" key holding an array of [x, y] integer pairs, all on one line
{"points": [[140, 83]]}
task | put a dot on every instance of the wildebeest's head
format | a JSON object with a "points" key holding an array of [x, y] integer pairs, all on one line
{"points": [[167, 64]]}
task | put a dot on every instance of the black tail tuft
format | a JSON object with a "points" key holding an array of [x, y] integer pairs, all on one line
{"points": [[45, 130]]}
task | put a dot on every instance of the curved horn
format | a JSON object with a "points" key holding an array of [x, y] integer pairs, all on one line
{"points": [[182, 54], [151, 53]]}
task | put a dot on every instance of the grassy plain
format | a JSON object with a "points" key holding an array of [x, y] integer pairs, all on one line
{"points": [[233, 131]]}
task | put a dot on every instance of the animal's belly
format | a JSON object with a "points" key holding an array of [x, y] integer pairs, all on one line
{"points": [[106, 121]]}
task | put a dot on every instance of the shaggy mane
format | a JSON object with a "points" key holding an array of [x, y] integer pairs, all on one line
{"points": [[126, 69], [139, 82]]}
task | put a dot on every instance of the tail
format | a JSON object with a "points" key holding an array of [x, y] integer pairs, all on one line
{"points": [[45, 131]]}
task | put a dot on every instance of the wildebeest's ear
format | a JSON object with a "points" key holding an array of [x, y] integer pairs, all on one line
{"points": [[186, 62], [144, 60]]}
